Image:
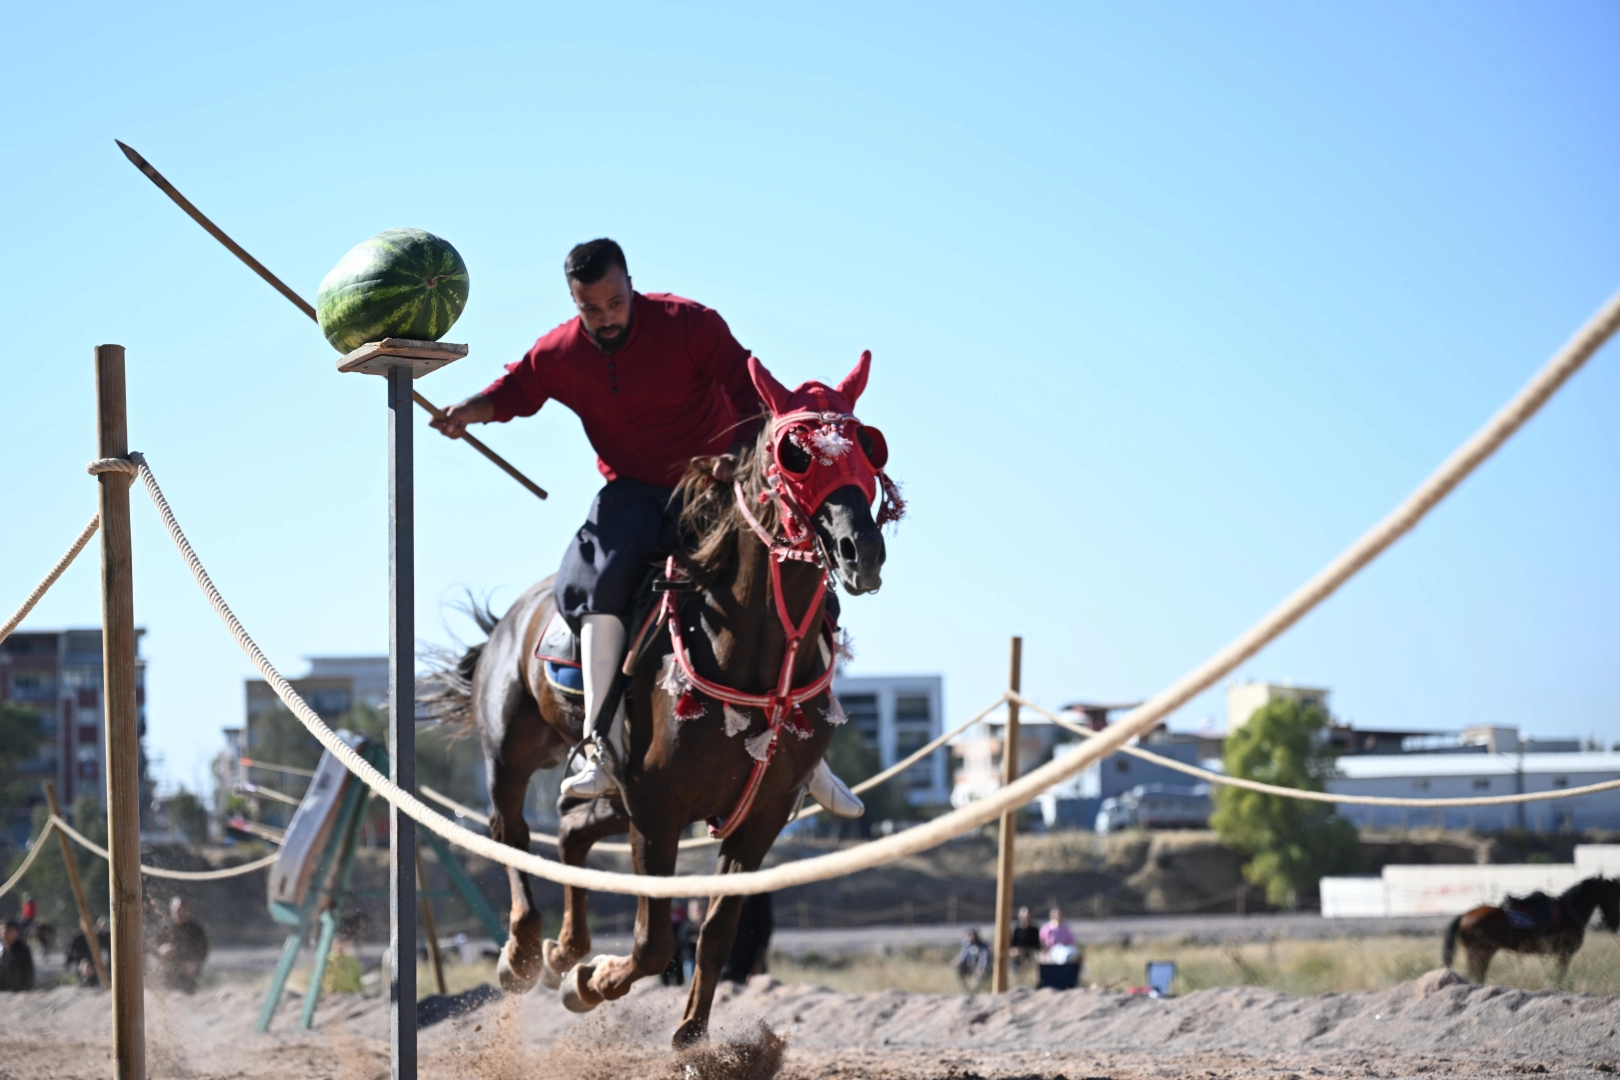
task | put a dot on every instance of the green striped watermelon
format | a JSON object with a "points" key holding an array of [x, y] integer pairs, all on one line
{"points": [[402, 283]]}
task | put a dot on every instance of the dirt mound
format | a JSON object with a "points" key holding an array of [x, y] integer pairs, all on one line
{"points": [[1436, 1025]]}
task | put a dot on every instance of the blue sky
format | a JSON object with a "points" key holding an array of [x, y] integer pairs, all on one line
{"points": [[1168, 303]]}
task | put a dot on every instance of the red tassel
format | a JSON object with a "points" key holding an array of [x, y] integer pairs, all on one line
{"points": [[894, 506], [689, 707]]}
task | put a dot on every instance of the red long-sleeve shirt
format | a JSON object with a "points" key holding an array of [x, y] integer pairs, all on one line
{"points": [[675, 390]]}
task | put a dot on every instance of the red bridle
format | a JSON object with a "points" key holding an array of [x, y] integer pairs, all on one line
{"points": [[831, 436]]}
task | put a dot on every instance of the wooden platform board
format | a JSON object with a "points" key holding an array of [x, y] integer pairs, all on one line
{"points": [[376, 357]]}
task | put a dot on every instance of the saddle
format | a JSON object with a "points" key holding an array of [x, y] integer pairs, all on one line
{"points": [[559, 648], [1538, 911]]}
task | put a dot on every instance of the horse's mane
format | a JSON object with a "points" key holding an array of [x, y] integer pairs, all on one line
{"points": [[709, 515]]}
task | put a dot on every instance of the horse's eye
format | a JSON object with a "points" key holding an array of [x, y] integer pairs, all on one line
{"points": [[792, 457], [873, 445]]}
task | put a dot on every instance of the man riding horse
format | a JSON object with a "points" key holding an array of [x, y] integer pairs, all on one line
{"points": [[656, 380]]}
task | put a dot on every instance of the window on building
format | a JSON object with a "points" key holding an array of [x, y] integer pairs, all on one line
{"points": [[1483, 783], [329, 703], [862, 710], [1560, 781], [33, 686], [1122, 764], [1420, 785]]}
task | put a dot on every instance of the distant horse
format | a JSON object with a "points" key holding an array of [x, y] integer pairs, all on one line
{"points": [[764, 534], [1537, 924]]}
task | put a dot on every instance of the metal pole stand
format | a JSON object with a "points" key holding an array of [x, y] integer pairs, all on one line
{"points": [[401, 361]]}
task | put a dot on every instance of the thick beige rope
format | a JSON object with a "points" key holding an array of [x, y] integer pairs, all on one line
{"points": [[176, 875], [1452, 472], [1318, 796], [50, 579], [703, 841], [33, 853]]}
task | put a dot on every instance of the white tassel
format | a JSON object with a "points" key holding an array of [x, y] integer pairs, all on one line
{"points": [[675, 683], [830, 444], [835, 712], [736, 722], [846, 646], [759, 747]]}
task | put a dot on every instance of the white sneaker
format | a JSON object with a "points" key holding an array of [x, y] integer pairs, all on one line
{"points": [[591, 782], [833, 795]]}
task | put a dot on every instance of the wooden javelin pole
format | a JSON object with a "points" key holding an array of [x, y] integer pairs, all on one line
{"points": [[1009, 827], [301, 304], [85, 922], [122, 738]]}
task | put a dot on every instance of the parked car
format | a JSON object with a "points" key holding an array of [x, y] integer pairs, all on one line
{"points": [[1156, 806]]}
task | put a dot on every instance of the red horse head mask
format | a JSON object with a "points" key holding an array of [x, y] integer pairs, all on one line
{"points": [[819, 420]]}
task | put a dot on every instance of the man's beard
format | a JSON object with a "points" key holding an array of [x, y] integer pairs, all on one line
{"points": [[609, 345]]}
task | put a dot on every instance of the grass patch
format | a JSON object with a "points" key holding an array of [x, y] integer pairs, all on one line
{"points": [[1296, 967]]}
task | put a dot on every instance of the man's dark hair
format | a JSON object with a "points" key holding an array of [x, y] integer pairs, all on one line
{"points": [[11, 924], [590, 261]]}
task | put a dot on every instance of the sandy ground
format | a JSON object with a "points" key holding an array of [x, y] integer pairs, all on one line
{"points": [[1435, 1026]]}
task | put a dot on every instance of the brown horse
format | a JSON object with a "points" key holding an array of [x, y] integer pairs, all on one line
{"points": [[1558, 931], [673, 772]]}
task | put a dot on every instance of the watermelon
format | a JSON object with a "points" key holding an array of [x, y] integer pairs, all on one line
{"points": [[402, 283]]}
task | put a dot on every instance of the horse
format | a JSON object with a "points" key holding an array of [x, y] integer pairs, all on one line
{"points": [[765, 533], [1559, 932]]}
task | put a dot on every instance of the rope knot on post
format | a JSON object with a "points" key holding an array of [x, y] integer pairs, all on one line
{"points": [[128, 466]]}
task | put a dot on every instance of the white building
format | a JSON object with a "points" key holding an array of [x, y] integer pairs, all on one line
{"points": [[897, 715], [1467, 775], [1243, 700]]}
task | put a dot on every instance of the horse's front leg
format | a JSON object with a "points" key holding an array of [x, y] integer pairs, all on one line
{"points": [[611, 977], [743, 850], [579, 827]]}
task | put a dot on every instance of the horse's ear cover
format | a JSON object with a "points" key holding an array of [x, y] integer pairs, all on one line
{"points": [[854, 384], [775, 394]]}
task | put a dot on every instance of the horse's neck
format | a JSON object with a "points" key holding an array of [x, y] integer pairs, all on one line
{"points": [[1580, 900], [753, 641]]}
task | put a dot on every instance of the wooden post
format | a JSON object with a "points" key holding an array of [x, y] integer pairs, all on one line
{"points": [[85, 922], [428, 930], [399, 362], [1009, 827], [122, 739]]}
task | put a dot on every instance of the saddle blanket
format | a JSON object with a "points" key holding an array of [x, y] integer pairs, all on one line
{"points": [[559, 651]]}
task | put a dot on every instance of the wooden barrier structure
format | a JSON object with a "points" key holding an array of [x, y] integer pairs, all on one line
{"points": [[1009, 828], [122, 722], [86, 924]]}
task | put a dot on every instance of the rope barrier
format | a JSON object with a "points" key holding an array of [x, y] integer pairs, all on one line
{"points": [[1406, 516], [1321, 796], [33, 853], [175, 875], [94, 848], [50, 579], [705, 841]]}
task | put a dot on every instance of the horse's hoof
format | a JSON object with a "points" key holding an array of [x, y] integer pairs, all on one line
{"points": [[690, 1034], [551, 966], [577, 995], [511, 980]]}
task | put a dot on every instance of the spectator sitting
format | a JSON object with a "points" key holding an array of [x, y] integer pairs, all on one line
{"points": [[182, 946], [1026, 939], [79, 958], [972, 962], [16, 960]]}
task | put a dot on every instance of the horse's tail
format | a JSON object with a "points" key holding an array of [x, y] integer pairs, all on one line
{"points": [[445, 693], [1448, 948]]}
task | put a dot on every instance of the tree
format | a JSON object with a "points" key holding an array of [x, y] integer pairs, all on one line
{"points": [[20, 736], [1292, 843], [47, 879], [189, 816]]}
